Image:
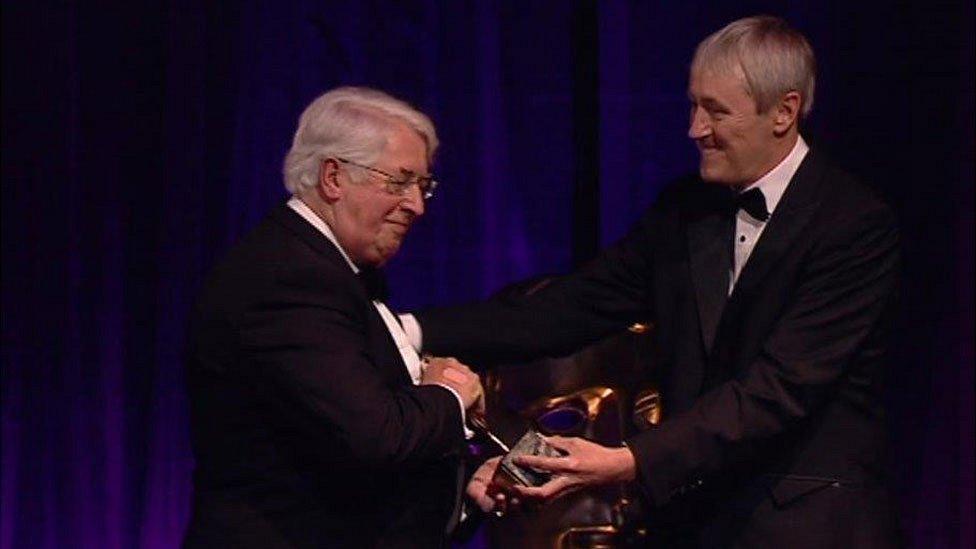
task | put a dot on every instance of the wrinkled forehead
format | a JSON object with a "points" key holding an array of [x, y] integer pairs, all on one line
{"points": [[719, 78], [401, 127], [405, 150]]}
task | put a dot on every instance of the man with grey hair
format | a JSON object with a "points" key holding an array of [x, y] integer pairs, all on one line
{"points": [[315, 423], [770, 280]]}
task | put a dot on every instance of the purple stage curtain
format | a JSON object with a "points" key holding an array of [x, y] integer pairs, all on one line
{"points": [[140, 140]]}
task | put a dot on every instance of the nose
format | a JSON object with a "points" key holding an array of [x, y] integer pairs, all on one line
{"points": [[413, 201], [698, 127]]}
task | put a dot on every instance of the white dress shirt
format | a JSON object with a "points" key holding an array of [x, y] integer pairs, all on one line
{"points": [[772, 185], [408, 352]]}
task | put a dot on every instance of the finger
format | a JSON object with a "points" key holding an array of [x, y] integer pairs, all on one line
{"points": [[561, 487], [550, 464], [481, 498], [501, 499], [485, 503], [534, 492], [562, 443], [476, 487], [547, 491], [512, 504], [500, 504]]}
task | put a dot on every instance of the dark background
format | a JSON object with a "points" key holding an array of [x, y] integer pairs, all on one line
{"points": [[141, 139]]}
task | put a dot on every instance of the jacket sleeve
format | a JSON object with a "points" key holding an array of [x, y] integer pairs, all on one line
{"points": [[602, 298], [306, 351], [848, 283]]}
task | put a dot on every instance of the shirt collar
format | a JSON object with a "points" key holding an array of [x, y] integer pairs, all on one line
{"points": [[303, 210], [774, 183]]}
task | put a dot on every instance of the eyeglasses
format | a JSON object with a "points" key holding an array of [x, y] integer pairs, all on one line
{"points": [[398, 187]]}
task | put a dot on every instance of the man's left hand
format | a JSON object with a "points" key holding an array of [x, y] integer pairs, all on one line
{"points": [[586, 464]]}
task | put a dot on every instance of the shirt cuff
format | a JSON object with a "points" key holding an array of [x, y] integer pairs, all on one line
{"points": [[414, 334], [468, 433]]}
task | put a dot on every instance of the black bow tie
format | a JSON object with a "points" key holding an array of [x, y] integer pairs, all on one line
{"points": [[754, 203], [374, 281]]}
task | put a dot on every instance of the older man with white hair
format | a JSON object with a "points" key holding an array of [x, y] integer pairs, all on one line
{"points": [[315, 423]]}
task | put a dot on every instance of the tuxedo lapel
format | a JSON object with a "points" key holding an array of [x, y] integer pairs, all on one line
{"points": [[788, 221], [709, 251], [385, 356]]}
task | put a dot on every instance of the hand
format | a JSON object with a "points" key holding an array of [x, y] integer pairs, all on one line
{"points": [[486, 495], [586, 464], [450, 372], [479, 486]]}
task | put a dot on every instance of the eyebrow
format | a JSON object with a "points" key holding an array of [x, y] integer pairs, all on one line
{"points": [[713, 102], [411, 173], [709, 102]]}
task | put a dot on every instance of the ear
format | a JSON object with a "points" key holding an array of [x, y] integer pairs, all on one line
{"points": [[330, 188], [787, 111]]}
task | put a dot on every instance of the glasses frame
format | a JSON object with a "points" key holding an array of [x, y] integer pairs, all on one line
{"points": [[398, 187]]}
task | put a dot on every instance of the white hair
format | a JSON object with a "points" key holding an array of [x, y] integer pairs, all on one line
{"points": [[774, 58], [351, 123]]}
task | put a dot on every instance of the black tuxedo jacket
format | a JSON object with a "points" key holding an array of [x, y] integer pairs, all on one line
{"points": [[774, 425], [307, 430]]}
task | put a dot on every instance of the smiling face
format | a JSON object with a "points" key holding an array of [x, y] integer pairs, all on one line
{"points": [[737, 145], [368, 221]]}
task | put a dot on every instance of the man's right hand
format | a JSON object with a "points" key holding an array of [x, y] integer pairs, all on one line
{"points": [[450, 372], [479, 488]]}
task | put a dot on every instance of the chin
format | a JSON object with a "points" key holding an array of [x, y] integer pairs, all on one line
{"points": [[710, 174], [383, 255]]}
